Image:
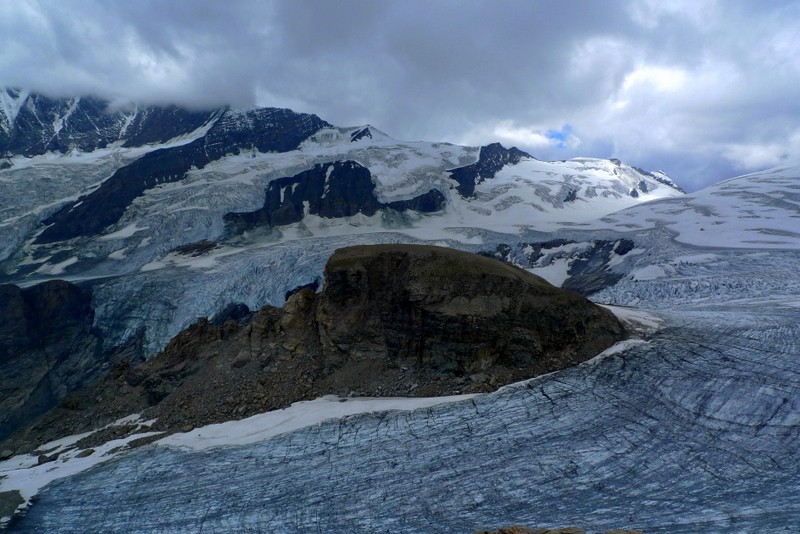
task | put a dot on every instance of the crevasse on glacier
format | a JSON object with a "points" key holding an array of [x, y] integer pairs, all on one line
{"points": [[696, 430]]}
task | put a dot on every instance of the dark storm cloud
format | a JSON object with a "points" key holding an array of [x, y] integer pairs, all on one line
{"points": [[703, 89]]}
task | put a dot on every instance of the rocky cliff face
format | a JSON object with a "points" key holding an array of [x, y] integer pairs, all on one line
{"points": [[492, 158], [267, 130], [455, 312], [47, 349], [391, 320], [330, 190], [33, 124]]}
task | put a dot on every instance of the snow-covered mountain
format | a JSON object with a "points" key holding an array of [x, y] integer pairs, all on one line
{"points": [[759, 210], [33, 124], [755, 211], [697, 414], [167, 199], [155, 179], [692, 427]]}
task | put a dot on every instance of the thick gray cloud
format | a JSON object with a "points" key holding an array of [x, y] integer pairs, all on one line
{"points": [[702, 89]]}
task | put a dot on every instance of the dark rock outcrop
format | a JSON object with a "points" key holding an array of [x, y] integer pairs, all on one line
{"points": [[47, 349], [329, 190], [313, 286], [44, 124], [589, 266], [589, 272], [198, 248], [492, 158], [657, 178], [391, 320], [428, 202], [236, 312], [9, 501], [454, 312], [265, 129], [360, 134], [572, 196]]}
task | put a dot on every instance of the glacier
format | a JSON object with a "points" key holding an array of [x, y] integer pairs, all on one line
{"points": [[135, 271], [693, 425], [695, 428]]}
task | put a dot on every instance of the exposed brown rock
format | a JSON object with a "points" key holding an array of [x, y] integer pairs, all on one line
{"points": [[454, 312], [84, 453], [45, 459], [391, 320]]}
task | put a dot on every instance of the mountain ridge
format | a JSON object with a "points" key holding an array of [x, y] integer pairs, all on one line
{"points": [[32, 124], [705, 399], [401, 171], [120, 218]]}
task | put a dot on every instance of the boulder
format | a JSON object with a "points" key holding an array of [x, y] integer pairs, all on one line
{"points": [[9, 502]]}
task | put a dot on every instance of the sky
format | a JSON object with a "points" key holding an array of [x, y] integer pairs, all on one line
{"points": [[702, 89]]}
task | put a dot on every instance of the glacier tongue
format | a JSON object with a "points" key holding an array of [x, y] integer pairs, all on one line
{"points": [[694, 431]]}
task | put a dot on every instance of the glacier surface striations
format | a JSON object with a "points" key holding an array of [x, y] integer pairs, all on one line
{"points": [[695, 430]]}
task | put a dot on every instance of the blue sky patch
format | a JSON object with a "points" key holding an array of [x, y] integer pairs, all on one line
{"points": [[560, 137]]}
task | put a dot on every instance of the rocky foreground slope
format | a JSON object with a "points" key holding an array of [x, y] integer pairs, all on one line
{"points": [[391, 320], [48, 348], [694, 430]]}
